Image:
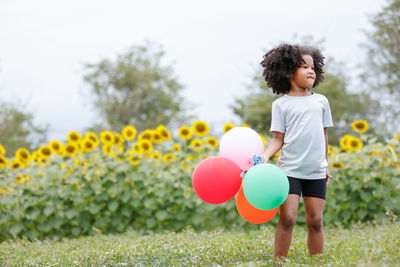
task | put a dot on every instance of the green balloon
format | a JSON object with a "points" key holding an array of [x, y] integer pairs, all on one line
{"points": [[265, 186]]}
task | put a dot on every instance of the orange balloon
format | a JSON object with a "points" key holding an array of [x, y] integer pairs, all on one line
{"points": [[249, 212]]}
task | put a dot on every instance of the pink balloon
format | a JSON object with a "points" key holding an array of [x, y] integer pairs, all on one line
{"points": [[239, 144], [216, 180]]}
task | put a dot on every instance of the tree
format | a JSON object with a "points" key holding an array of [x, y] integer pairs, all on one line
{"points": [[17, 129], [381, 71], [136, 89]]}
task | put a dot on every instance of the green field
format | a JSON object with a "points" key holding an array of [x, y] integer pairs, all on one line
{"points": [[365, 245]]}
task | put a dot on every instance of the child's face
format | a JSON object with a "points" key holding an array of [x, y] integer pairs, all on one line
{"points": [[304, 76]]}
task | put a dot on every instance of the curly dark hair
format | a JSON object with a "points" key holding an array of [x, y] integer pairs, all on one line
{"points": [[281, 63]]}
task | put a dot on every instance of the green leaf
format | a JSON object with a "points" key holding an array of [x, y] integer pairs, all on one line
{"points": [[345, 206], [161, 215], [151, 222], [126, 196], [71, 213], [365, 196], [33, 214], [76, 231], [113, 206], [48, 210], [94, 209], [15, 229], [362, 213], [149, 203]]}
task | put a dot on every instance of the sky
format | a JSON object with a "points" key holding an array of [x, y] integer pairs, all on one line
{"points": [[214, 47]]}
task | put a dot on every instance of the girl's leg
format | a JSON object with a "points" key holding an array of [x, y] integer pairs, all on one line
{"points": [[287, 220], [314, 208]]}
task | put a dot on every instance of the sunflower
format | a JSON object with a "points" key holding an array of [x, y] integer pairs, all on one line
{"points": [[118, 139], [87, 145], [276, 155], [228, 126], [146, 134], [120, 149], [263, 139], [71, 149], [185, 132], [36, 156], [134, 159], [107, 137], [196, 145], [136, 148], [155, 155], [129, 132], [182, 165], [145, 146], [3, 161], [360, 126], [355, 144], [20, 179], [200, 128], [156, 137], [176, 148], [344, 141], [23, 154], [337, 164], [212, 141], [331, 150], [107, 150], [45, 151], [55, 146], [165, 134], [2, 150], [74, 137], [16, 164], [93, 137], [169, 158]]}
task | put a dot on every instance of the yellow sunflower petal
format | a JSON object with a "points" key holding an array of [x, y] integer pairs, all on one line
{"points": [[200, 128]]}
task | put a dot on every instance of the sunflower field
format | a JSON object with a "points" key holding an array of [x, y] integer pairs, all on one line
{"points": [[123, 181]]}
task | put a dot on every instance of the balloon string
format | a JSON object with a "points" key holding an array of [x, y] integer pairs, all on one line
{"points": [[257, 160]]}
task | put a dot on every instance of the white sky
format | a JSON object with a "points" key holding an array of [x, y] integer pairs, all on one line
{"points": [[215, 47]]}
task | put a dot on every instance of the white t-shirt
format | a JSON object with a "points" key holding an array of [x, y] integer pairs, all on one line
{"points": [[302, 119]]}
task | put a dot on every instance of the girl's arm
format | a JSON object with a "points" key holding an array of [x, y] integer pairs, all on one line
{"points": [[274, 146], [328, 174]]}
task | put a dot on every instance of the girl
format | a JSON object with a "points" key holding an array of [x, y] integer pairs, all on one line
{"points": [[299, 122]]}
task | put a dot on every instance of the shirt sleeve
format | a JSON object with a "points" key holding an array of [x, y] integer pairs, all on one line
{"points": [[327, 116], [278, 119]]}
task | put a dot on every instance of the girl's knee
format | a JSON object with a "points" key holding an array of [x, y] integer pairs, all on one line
{"points": [[314, 222], [287, 222]]}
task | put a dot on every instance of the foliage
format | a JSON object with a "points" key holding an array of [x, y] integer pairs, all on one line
{"points": [[115, 189], [381, 71], [135, 89], [361, 245], [17, 128]]}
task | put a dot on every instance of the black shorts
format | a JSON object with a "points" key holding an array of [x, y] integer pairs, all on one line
{"points": [[308, 188]]}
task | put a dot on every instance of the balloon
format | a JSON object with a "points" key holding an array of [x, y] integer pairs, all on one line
{"points": [[216, 180], [250, 213], [265, 186], [240, 144]]}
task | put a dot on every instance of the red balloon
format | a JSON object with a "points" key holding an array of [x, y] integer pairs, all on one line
{"points": [[216, 180], [250, 213]]}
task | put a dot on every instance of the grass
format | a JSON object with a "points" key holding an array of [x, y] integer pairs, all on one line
{"points": [[365, 245]]}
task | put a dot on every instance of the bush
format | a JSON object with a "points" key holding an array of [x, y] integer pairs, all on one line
{"points": [[72, 196]]}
